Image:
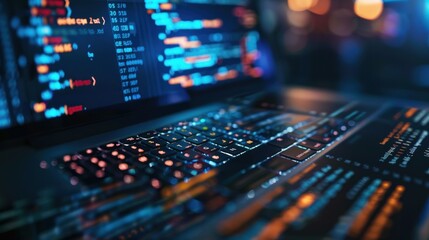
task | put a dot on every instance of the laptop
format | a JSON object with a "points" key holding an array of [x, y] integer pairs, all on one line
{"points": [[163, 119]]}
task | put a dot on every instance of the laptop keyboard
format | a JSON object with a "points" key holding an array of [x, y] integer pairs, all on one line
{"points": [[180, 151]]}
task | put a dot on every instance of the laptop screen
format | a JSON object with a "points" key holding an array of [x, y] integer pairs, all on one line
{"points": [[61, 58]]}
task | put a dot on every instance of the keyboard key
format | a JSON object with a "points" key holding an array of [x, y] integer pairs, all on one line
{"points": [[321, 138], [182, 124], [252, 179], [171, 137], [233, 150], [207, 148], [136, 149], [298, 153], [238, 136], [212, 134], [312, 145], [172, 176], [297, 134], [130, 140], [148, 134], [163, 152], [165, 129], [123, 167], [156, 183], [100, 161], [89, 152], [187, 132], [171, 163], [197, 167], [218, 157], [171, 171], [224, 126], [120, 155], [110, 146], [197, 140], [154, 143], [143, 161], [179, 174], [249, 143], [90, 166], [246, 160], [269, 133], [280, 128], [282, 142], [279, 164], [190, 155], [112, 170], [203, 127], [180, 146], [223, 141]]}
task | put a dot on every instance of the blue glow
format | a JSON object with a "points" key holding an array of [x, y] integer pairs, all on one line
{"points": [[166, 77], [162, 36], [47, 95], [160, 58], [54, 113]]}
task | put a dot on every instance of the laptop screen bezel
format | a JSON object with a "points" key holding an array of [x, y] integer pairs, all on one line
{"points": [[125, 114]]}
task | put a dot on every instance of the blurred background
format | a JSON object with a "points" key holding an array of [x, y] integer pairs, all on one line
{"points": [[377, 47]]}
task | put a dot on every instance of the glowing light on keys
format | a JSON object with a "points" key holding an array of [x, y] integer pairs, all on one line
{"points": [[161, 152], [156, 183], [80, 170], [178, 174], [369, 9], [301, 5], [73, 166], [74, 181], [94, 160], [169, 163], [43, 165], [110, 145], [102, 164], [128, 179], [198, 166], [67, 158], [139, 150], [123, 167], [143, 159], [306, 200], [99, 174]]}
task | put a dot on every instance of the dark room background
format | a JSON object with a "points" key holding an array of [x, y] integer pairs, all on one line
{"points": [[377, 47]]}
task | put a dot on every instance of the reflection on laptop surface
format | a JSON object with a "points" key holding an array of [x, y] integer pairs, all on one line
{"points": [[157, 119]]}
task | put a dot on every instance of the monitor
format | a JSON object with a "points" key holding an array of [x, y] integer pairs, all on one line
{"points": [[65, 58]]}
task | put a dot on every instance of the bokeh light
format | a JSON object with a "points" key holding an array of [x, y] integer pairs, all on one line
{"points": [[369, 9], [321, 7], [342, 23], [301, 5]]}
